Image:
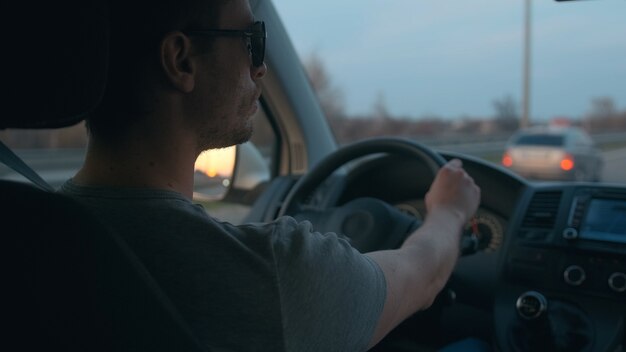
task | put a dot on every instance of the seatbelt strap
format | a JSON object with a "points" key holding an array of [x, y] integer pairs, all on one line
{"points": [[8, 158]]}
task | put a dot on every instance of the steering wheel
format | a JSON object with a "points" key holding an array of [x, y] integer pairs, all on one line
{"points": [[370, 223]]}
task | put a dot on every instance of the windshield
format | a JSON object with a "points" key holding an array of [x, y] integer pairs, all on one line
{"points": [[460, 77], [467, 76]]}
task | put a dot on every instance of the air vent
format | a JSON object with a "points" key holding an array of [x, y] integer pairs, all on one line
{"points": [[542, 211]]}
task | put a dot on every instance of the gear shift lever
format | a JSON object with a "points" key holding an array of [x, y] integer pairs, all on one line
{"points": [[531, 306], [558, 326]]}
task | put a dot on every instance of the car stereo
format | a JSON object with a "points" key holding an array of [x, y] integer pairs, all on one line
{"points": [[604, 220], [597, 217]]}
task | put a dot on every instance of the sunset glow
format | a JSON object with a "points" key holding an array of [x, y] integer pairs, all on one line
{"points": [[216, 162]]}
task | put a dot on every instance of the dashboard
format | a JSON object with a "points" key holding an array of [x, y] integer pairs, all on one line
{"points": [[576, 236], [550, 271]]}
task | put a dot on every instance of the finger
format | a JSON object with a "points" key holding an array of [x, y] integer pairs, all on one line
{"points": [[455, 163]]}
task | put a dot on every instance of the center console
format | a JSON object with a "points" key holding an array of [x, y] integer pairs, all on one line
{"points": [[563, 278]]}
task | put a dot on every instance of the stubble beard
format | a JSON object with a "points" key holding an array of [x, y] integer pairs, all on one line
{"points": [[226, 131]]}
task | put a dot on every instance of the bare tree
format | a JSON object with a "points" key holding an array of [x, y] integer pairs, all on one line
{"points": [[507, 115], [604, 116], [379, 108], [602, 108], [330, 97]]}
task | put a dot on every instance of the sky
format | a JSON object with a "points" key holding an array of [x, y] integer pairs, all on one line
{"points": [[454, 58]]}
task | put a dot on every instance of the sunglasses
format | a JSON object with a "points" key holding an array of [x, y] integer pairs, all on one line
{"points": [[255, 36]]}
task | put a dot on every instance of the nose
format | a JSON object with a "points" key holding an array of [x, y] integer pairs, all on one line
{"points": [[258, 72]]}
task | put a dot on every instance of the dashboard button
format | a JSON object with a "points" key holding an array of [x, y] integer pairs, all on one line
{"points": [[617, 282], [531, 305], [574, 275], [570, 233]]}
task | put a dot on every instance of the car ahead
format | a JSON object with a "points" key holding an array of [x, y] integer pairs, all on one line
{"points": [[553, 153], [545, 268]]}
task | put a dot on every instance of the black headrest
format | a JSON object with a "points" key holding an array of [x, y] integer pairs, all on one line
{"points": [[58, 54]]}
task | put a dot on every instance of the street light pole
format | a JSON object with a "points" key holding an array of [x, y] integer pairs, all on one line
{"points": [[525, 122]]}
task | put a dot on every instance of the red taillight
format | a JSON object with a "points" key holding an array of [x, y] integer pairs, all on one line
{"points": [[567, 163], [507, 160]]}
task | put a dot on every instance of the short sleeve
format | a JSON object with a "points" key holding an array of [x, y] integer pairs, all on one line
{"points": [[331, 295]]}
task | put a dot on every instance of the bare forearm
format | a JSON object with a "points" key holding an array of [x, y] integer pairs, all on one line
{"points": [[433, 251], [417, 271]]}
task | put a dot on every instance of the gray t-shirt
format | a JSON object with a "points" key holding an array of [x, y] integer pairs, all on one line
{"points": [[258, 287]]}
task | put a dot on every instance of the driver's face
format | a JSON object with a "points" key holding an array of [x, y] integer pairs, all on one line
{"points": [[227, 88]]}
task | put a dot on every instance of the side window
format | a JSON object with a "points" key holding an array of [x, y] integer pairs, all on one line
{"points": [[55, 154], [58, 154], [229, 180]]}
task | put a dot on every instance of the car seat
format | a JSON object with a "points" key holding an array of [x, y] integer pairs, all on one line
{"points": [[70, 283]]}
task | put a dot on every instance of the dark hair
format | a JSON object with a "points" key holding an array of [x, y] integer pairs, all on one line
{"points": [[137, 28]]}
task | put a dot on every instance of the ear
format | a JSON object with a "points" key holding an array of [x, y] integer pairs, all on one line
{"points": [[176, 61]]}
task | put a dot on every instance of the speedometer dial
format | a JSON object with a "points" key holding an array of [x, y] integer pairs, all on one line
{"points": [[489, 227], [489, 231]]}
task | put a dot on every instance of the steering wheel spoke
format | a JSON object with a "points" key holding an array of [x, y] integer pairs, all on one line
{"points": [[369, 223]]}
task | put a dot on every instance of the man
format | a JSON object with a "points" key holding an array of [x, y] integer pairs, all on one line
{"points": [[174, 91]]}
